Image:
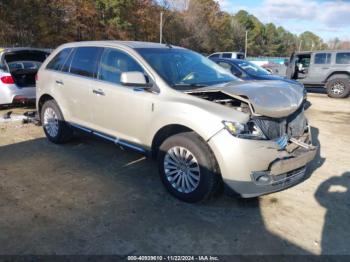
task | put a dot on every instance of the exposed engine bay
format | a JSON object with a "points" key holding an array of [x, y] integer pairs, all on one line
{"points": [[223, 99], [293, 125]]}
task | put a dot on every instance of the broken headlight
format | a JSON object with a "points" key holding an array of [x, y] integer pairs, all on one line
{"points": [[249, 130]]}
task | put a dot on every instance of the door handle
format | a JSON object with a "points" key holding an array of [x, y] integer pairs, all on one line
{"points": [[325, 68], [98, 92], [59, 82]]}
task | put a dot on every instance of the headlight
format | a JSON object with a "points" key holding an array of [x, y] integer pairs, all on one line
{"points": [[249, 130]]}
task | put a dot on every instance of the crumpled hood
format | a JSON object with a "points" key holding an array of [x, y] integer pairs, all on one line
{"points": [[268, 98]]}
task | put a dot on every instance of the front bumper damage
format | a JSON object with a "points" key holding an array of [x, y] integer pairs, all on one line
{"points": [[256, 167]]}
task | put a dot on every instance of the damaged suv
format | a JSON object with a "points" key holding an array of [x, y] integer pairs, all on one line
{"points": [[205, 127]]}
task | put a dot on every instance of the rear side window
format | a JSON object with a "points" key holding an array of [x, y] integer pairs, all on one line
{"points": [[114, 63], [323, 58], [57, 62], [240, 56], [66, 66], [226, 55], [85, 61], [342, 58]]}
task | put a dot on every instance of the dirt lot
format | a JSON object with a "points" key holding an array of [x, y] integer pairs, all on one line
{"points": [[89, 197]]}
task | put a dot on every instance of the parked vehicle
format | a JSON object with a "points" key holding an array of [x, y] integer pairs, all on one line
{"points": [[246, 70], [18, 67], [205, 127], [276, 69], [237, 55], [330, 69]]}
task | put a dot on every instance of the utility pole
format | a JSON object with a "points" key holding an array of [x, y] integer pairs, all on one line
{"points": [[300, 44], [246, 43], [161, 28]]}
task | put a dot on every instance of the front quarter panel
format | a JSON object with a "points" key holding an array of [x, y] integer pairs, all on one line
{"points": [[203, 117]]}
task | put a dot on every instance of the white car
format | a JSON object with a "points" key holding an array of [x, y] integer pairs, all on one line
{"points": [[18, 67]]}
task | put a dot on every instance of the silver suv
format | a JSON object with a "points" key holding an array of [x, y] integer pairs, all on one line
{"points": [[205, 127], [322, 68]]}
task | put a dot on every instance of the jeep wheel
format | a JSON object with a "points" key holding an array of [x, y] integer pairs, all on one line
{"points": [[338, 87], [188, 168], [55, 128]]}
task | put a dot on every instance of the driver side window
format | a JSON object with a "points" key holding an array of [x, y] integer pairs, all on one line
{"points": [[113, 63]]}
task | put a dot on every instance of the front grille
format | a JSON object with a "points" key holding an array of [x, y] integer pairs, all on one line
{"points": [[294, 125], [272, 128]]}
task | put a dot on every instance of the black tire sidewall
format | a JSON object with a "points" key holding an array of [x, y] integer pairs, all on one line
{"points": [[61, 124], [204, 156], [346, 92]]}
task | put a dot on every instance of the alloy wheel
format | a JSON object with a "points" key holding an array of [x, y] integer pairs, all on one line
{"points": [[51, 122], [338, 88], [182, 169]]}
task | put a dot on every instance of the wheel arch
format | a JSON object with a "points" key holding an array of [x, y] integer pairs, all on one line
{"points": [[337, 74], [42, 100], [165, 132]]}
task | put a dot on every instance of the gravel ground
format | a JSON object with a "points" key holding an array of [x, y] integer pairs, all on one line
{"points": [[90, 197]]}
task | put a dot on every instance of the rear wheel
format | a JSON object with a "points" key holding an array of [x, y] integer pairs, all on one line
{"points": [[55, 128], [188, 168], [338, 87]]}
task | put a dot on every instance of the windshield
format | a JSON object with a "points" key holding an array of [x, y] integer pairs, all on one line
{"points": [[182, 68], [252, 68]]}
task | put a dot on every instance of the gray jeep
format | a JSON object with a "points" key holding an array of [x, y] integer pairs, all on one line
{"points": [[330, 69]]}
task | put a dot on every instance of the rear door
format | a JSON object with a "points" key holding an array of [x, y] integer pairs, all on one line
{"points": [[319, 68], [76, 82], [341, 61], [51, 78]]}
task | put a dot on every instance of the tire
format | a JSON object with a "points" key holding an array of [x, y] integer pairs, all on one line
{"points": [[338, 87], [64, 132], [205, 168]]}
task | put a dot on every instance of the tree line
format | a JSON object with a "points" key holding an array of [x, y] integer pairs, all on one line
{"points": [[198, 24]]}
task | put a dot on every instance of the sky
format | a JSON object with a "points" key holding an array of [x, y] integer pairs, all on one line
{"points": [[328, 19]]}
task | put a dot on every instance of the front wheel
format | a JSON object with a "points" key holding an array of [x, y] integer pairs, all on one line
{"points": [[338, 87], [55, 128], [188, 168]]}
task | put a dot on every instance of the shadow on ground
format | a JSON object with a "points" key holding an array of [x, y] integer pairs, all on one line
{"points": [[334, 195], [87, 197]]}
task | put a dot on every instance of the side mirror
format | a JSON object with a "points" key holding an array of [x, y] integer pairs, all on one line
{"points": [[134, 79]]}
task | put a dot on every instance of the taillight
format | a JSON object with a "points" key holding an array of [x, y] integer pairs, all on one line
{"points": [[7, 80]]}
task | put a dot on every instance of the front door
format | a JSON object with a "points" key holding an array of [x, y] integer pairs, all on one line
{"points": [[120, 111], [290, 72], [319, 68]]}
